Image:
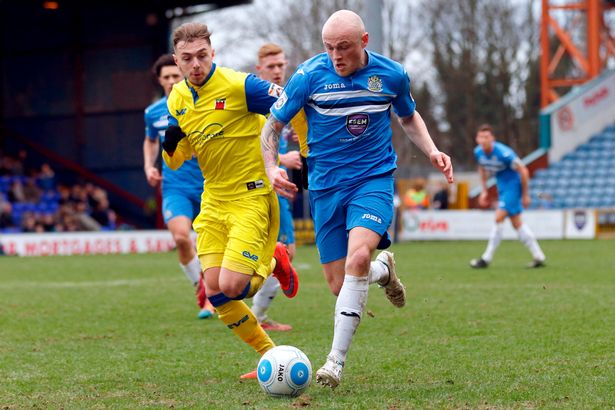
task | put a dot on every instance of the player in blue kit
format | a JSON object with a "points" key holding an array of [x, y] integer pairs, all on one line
{"points": [[347, 94], [272, 67], [181, 189], [512, 182]]}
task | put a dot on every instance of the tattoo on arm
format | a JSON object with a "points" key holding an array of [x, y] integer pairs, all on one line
{"points": [[270, 141]]}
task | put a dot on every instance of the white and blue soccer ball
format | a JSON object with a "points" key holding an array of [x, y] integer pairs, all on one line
{"points": [[284, 371]]}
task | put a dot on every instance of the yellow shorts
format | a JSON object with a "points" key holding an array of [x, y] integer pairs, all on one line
{"points": [[239, 235]]}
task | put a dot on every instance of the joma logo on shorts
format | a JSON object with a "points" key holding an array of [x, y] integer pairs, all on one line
{"points": [[250, 256], [238, 323], [372, 217]]}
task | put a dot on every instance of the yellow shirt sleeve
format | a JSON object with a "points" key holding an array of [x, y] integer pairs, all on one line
{"points": [[182, 153]]}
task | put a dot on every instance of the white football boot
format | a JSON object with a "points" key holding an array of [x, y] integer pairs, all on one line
{"points": [[330, 373], [393, 288]]}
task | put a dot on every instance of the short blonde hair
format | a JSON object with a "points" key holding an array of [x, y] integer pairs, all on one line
{"points": [[191, 31], [269, 49]]}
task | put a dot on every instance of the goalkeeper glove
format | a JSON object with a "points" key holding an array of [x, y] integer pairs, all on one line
{"points": [[172, 136]]}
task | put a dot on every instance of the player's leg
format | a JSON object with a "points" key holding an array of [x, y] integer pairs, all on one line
{"points": [[178, 212], [372, 208], [265, 296], [495, 237], [233, 244], [526, 236], [367, 213]]}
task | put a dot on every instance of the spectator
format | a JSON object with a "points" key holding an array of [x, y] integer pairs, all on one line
{"points": [[83, 219], [31, 192], [15, 192], [47, 178], [417, 197], [103, 214], [6, 215], [49, 222], [28, 222], [440, 198]]}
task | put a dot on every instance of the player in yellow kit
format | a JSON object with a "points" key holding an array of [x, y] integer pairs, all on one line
{"points": [[215, 114]]}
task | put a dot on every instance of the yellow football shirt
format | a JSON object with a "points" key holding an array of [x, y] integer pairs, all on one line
{"points": [[222, 132]]}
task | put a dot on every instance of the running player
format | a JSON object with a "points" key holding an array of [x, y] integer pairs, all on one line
{"points": [[181, 189], [347, 94], [216, 113]]}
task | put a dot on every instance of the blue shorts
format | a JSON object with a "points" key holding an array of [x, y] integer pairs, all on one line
{"points": [[287, 232], [368, 204], [509, 199], [176, 204]]}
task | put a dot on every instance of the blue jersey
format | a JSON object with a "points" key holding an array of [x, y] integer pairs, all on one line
{"points": [[349, 118], [188, 179], [500, 163]]}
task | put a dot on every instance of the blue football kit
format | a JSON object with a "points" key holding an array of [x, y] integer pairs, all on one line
{"points": [[350, 152], [500, 163], [181, 189]]}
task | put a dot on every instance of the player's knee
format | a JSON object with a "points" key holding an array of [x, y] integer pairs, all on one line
{"points": [[359, 261], [182, 239], [232, 289]]}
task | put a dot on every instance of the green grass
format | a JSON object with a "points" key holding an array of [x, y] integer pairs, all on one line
{"points": [[120, 332]]}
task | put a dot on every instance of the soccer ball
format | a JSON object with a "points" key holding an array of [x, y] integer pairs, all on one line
{"points": [[284, 371]]}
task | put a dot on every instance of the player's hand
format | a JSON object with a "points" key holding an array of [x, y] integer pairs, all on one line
{"points": [[525, 200], [292, 136], [280, 183], [483, 199], [153, 176], [291, 160], [443, 162], [172, 136]]}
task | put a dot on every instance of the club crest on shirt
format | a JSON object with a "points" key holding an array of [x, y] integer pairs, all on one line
{"points": [[374, 84], [220, 104], [356, 124]]}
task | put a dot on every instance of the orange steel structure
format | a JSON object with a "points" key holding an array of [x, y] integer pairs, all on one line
{"points": [[590, 57]]}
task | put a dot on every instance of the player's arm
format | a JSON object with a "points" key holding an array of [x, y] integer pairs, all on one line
{"points": [[291, 160], [416, 130], [270, 145], [483, 198], [176, 148], [151, 149], [524, 174]]}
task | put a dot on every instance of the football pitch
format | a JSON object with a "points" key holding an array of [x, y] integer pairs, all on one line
{"points": [[120, 331]]}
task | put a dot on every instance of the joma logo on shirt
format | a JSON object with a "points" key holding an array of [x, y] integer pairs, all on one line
{"points": [[334, 86], [180, 112], [372, 217]]}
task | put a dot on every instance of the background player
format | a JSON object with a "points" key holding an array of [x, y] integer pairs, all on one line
{"points": [[347, 94], [181, 189], [272, 67], [512, 182], [216, 114]]}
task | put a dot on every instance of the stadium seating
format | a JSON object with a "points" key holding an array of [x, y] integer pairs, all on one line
{"points": [[583, 178]]}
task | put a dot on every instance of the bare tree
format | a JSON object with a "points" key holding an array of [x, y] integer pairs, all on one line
{"points": [[481, 56]]}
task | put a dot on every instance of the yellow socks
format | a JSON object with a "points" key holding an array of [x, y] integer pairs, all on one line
{"points": [[238, 317]]}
